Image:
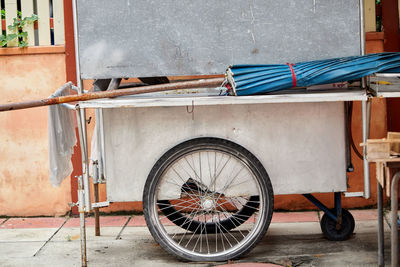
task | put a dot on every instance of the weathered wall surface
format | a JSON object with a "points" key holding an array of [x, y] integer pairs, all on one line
{"points": [[24, 166]]}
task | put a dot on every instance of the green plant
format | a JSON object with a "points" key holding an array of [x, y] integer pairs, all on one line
{"points": [[17, 26]]}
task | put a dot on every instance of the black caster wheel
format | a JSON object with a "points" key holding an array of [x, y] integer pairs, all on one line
{"points": [[335, 231]]}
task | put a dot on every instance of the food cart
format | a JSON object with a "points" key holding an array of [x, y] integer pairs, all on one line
{"points": [[205, 165]]}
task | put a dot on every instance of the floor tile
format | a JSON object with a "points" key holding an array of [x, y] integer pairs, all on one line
{"points": [[44, 222], [306, 216], [105, 221]]}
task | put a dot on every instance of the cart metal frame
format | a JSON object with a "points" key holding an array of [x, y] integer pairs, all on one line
{"points": [[84, 202]]}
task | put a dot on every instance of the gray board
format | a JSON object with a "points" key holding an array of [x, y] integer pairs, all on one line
{"points": [[139, 38]]}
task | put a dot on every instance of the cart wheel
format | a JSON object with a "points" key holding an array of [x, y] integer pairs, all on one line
{"points": [[338, 232], [199, 191]]}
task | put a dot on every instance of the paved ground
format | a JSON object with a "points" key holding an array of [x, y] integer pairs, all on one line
{"points": [[293, 239]]}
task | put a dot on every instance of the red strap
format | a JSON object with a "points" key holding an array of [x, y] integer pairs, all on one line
{"points": [[293, 74]]}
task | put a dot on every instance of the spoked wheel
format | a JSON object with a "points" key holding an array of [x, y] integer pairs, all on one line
{"points": [[335, 231], [208, 199]]}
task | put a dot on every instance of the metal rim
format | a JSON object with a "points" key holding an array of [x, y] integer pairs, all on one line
{"points": [[207, 204]]}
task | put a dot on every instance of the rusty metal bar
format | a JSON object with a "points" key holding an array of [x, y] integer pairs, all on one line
{"points": [[82, 223], [113, 93], [96, 210]]}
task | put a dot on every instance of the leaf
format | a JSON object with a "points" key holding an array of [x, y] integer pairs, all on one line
{"points": [[22, 34], [22, 44], [3, 40], [11, 37], [32, 18], [12, 27]]}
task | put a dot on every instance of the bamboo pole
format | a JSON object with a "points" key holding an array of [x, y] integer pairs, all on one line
{"points": [[215, 82]]}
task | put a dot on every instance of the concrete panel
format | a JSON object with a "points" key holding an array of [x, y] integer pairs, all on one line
{"points": [[173, 37]]}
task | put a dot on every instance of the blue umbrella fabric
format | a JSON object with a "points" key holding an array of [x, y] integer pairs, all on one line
{"points": [[260, 79]]}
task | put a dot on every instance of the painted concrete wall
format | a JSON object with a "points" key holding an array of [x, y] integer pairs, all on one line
{"points": [[24, 166]]}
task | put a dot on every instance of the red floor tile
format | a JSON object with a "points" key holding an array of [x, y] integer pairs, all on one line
{"points": [[364, 215], [306, 216], [105, 221], [14, 223], [137, 221]]}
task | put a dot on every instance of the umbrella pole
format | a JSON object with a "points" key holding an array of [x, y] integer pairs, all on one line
{"points": [[214, 82]]}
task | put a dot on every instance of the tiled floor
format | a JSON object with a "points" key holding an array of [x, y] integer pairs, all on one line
{"points": [[292, 237], [120, 221]]}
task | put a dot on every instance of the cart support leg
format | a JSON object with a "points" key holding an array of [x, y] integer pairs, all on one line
{"points": [[394, 207], [381, 261], [81, 201], [321, 206], [96, 210], [338, 205], [366, 113]]}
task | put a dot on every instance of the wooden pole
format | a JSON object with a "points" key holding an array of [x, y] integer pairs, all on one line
{"points": [[215, 82]]}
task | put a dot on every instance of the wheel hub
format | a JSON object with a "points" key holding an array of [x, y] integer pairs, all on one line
{"points": [[207, 204]]}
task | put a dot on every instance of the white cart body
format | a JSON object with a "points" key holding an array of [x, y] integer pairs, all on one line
{"points": [[300, 140]]}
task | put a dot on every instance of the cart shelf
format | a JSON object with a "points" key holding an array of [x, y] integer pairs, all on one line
{"points": [[309, 97]]}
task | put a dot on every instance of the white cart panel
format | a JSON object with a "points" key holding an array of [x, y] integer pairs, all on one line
{"points": [[301, 145]]}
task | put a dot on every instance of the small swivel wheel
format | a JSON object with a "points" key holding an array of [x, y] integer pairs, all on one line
{"points": [[338, 231]]}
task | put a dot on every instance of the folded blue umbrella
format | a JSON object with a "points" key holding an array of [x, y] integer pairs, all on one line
{"points": [[260, 79]]}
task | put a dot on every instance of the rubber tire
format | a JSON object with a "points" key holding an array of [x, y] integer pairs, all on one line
{"points": [[179, 150], [328, 226], [228, 224]]}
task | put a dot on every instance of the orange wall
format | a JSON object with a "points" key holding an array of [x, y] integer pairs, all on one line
{"points": [[24, 184]]}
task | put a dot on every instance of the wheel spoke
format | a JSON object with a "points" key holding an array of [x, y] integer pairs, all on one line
{"points": [[233, 218], [186, 192], [166, 216], [194, 232], [183, 181], [191, 221], [192, 167], [208, 247], [223, 167], [228, 184]]}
